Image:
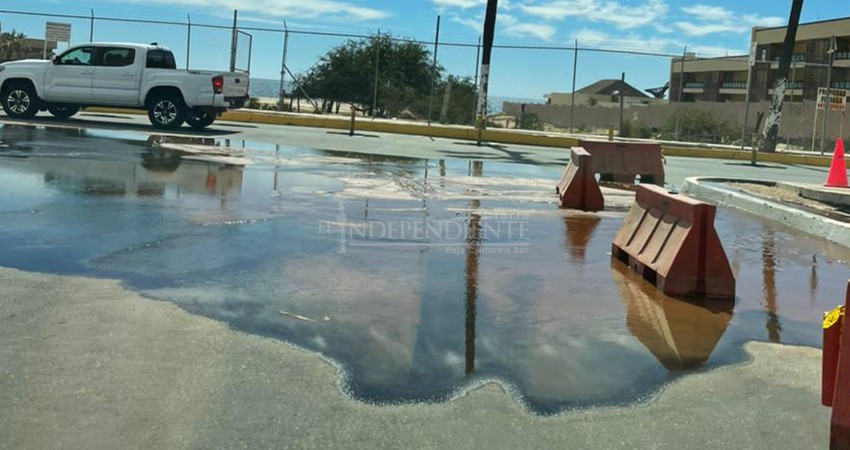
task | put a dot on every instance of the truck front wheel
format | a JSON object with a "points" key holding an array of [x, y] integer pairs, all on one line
{"points": [[166, 111], [20, 101], [199, 119]]}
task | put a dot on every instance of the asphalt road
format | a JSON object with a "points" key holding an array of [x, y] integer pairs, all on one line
{"points": [[677, 168]]}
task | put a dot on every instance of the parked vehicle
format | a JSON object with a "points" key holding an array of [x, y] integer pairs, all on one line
{"points": [[120, 75]]}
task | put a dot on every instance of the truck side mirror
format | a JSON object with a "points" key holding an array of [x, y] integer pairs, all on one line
{"points": [[55, 59]]}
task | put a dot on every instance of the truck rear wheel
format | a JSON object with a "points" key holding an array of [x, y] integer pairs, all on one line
{"points": [[20, 101], [166, 111], [61, 111], [199, 120]]}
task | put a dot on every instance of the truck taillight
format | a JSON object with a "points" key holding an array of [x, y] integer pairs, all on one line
{"points": [[218, 84]]}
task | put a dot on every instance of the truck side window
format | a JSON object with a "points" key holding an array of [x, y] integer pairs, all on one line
{"points": [[117, 57], [77, 57], [161, 59]]}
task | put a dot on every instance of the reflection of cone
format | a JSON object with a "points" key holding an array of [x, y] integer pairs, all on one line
{"points": [[838, 170]]}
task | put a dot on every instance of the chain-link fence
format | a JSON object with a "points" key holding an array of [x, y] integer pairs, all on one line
{"points": [[433, 79]]}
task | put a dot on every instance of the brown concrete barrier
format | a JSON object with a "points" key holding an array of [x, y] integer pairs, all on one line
{"points": [[671, 242], [578, 188], [839, 429], [623, 161]]}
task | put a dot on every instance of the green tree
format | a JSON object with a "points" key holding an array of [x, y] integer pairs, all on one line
{"points": [[12, 45], [347, 74]]}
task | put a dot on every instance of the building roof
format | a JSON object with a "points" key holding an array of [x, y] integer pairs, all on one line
{"points": [[608, 87]]}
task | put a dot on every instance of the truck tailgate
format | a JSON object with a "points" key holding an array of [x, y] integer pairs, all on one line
{"points": [[235, 84]]}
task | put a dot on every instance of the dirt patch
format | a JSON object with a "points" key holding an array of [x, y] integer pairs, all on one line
{"points": [[790, 197]]}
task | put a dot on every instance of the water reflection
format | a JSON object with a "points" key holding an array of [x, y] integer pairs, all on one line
{"points": [[681, 334], [473, 247], [117, 168], [579, 231], [768, 254]]}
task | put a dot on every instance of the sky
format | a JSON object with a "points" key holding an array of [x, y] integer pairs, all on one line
{"points": [[706, 27]]}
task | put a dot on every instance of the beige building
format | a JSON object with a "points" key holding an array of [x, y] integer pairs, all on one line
{"points": [[600, 93], [725, 79]]}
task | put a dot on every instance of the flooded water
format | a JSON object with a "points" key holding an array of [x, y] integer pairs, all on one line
{"points": [[419, 278]]}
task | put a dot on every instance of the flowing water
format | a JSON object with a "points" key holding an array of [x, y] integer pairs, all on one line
{"points": [[419, 278]]}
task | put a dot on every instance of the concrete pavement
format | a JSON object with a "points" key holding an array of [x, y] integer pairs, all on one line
{"points": [[87, 364]]}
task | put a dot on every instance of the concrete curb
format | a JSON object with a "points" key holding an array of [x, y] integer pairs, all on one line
{"points": [[815, 225], [518, 137]]}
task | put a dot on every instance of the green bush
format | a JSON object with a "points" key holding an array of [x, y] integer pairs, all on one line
{"points": [[699, 125], [634, 128], [530, 122]]}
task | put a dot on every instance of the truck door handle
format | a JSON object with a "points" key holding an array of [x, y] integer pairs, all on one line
{"points": [[128, 75], [88, 72]]}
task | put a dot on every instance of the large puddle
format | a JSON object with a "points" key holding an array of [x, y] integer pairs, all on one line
{"points": [[420, 278]]}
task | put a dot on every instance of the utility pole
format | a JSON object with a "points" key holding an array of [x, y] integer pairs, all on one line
{"points": [[233, 42], [489, 34], [434, 71], [573, 95], [91, 26], [827, 103], [774, 117]]}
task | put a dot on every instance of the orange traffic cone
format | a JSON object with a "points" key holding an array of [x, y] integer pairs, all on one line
{"points": [[837, 176]]}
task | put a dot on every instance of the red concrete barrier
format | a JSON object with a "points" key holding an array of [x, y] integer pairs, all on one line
{"points": [[671, 242], [839, 429], [578, 188], [833, 324], [623, 161]]}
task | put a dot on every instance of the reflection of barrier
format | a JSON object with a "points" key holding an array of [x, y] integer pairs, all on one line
{"points": [[681, 334], [671, 242], [623, 161], [579, 230], [835, 389], [578, 188]]}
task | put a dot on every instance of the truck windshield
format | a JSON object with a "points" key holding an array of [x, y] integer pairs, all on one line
{"points": [[161, 59]]}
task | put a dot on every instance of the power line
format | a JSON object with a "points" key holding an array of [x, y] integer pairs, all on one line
{"points": [[338, 34]]}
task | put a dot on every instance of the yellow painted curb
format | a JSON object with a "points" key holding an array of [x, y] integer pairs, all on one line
{"points": [[490, 135], [738, 155]]}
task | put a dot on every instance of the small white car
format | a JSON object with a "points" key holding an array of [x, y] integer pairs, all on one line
{"points": [[120, 75]]}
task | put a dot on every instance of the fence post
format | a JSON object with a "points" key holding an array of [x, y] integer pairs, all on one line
{"points": [[283, 65], [377, 66], [188, 38], [573, 95], [91, 26], [475, 95], [233, 42], [681, 91], [433, 70]]}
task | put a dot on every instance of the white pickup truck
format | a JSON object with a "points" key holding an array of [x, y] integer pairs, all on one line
{"points": [[121, 75]]}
